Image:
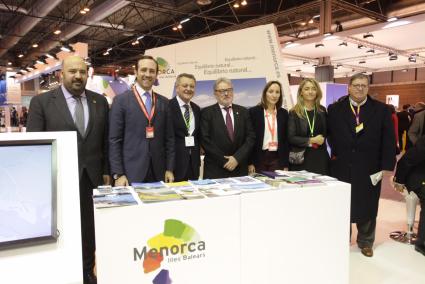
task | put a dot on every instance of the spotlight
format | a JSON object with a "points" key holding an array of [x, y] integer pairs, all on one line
{"points": [[136, 42], [314, 65], [140, 37], [179, 26], [236, 4], [360, 46], [244, 3], [392, 19], [175, 28], [362, 61], [20, 55], [338, 65], [393, 57], [185, 20], [66, 48], [305, 62], [41, 61], [344, 43], [57, 32], [87, 9], [35, 45], [311, 21], [298, 70], [370, 51], [412, 58], [51, 56], [368, 35], [319, 45], [106, 53], [9, 63]]}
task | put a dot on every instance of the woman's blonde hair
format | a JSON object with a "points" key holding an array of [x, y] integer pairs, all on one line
{"points": [[299, 107]]}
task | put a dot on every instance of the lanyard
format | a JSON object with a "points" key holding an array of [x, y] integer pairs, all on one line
{"points": [[271, 129], [187, 122], [310, 125], [356, 113], [143, 107]]}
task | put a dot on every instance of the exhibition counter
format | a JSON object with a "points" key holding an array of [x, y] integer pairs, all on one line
{"points": [[292, 235]]}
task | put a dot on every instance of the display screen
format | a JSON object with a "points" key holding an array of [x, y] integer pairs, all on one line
{"points": [[27, 193]]}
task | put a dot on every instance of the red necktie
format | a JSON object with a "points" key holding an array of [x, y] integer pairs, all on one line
{"points": [[229, 124]]}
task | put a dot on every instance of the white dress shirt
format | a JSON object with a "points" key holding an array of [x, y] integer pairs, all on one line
{"points": [[71, 102], [192, 117], [224, 113]]}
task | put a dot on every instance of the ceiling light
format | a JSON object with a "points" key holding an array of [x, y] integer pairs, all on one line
{"points": [[316, 16], [338, 65], [9, 63], [298, 70], [140, 37], [57, 32], [393, 57], [20, 55], [362, 61], [175, 28], [83, 12], [311, 21], [185, 20], [87, 9], [40, 61], [319, 45], [134, 66], [30, 68], [314, 65], [327, 34], [23, 71], [203, 2], [404, 70], [106, 53], [109, 49], [35, 45], [136, 42], [368, 35], [392, 19], [292, 44], [305, 62], [303, 23], [360, 46], [344, 43], [179, 26], [370, 51], [396, 24], [65, 48], [49, 55], [236, 4], [412, 58], [244, 3]]}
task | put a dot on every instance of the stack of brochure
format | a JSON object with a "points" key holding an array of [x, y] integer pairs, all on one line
{"points": [[105, 197], [155, 192]]}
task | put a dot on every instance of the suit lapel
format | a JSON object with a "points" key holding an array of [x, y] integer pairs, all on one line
{"points": [[62, 107], [348, 115], [175, 104], [237, 125], [195, 115], [222, 122], [91, 103], [261, 124]]}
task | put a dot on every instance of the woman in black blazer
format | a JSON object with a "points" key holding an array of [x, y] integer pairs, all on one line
{"points": [[269, 121], [307, 129]]}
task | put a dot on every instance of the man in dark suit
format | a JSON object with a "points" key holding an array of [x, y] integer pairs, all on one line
{"points": [[410, 175], [186, 116], [72, 108], [403, 126], [226, 134], [362, 139], [141, 136]]}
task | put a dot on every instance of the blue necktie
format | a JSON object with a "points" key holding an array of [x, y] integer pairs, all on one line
{"points": [[148, 102]]}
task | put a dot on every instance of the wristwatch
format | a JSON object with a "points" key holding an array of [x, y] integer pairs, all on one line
{"points": [[116, 176]]}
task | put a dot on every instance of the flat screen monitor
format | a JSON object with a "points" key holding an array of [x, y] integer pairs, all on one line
{"points": [[27, 193]]}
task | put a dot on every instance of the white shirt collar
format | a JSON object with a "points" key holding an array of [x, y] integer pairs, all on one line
{"points": [[357, 104], [141, 91], [69, 95], [222, 106], [181, 102]]}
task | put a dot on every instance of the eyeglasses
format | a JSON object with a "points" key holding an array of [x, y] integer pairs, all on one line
{"points": [[358, 86], [225, 91]]}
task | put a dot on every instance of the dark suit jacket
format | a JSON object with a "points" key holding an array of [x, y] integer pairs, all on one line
{"points": [[411, 167], [130, 152], [257, 119], [185, 154], [356, 157], [217, 144], [50, 112]]}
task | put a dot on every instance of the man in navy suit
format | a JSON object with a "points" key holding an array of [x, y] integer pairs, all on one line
{"points": [[141, 137], [73, 108], [186, 115], [226, 134]]}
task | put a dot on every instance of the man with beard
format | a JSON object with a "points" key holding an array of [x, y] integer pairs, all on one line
{"points": [[73, 108], [186, 115], [141, 137]]}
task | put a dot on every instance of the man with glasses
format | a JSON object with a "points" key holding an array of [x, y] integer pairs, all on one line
{"points": [[362, 139], [186, 115], [226, 134]]}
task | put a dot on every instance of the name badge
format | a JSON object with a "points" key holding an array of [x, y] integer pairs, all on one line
{"points": [[149, 132], [189, 141], [272, 146], [359, 128]]}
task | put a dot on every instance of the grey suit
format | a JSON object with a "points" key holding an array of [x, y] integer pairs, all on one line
{"points": [[131, 153], [417, 128]]}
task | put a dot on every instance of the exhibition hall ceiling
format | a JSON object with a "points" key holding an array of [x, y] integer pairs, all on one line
{"points": [[118, 31]]}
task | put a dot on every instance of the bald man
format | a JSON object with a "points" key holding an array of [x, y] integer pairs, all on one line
{"points": [[73, 108]]}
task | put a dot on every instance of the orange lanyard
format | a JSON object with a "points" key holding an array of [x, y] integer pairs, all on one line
{"points": [[143, 107], [272, 127]]}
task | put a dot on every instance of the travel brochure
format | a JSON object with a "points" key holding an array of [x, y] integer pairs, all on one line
{"points": [[107, 196]]}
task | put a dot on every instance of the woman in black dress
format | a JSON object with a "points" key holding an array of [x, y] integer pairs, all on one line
{"points": [[269, 121], [307, 130]]}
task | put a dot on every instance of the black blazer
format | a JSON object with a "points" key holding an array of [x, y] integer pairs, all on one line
{"points": [[130, 151], [50, 112], [217, 144], [411, 167], [185, 154], [257, 119], [357, 156], [298, 131]]}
